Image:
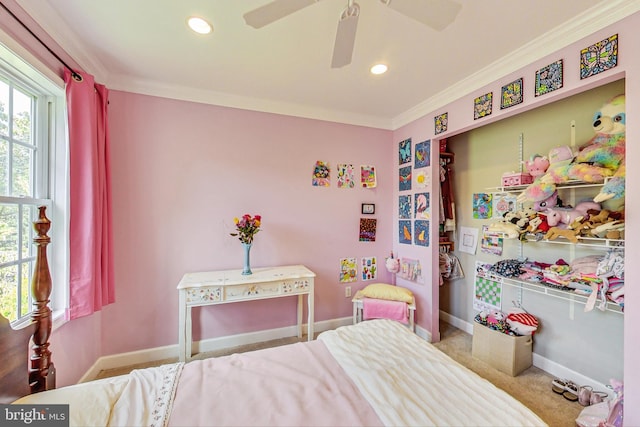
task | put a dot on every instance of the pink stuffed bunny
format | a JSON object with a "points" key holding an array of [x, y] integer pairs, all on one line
{"points": [[565, 216]]}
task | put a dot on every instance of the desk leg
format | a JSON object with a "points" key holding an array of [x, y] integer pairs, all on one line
{"points": [[310, 321], [182, 327], [300, 300]]}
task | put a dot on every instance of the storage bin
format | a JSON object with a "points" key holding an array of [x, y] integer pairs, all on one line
{"points": [[506, 353], [509, 179]]}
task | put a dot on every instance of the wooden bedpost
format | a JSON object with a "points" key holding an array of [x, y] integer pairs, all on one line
{"points": [[42, 374]]}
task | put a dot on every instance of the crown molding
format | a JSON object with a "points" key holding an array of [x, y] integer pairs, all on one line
{"points": [[581, 26]]}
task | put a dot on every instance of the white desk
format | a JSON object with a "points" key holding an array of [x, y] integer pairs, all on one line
{"points": [[228, 286]]}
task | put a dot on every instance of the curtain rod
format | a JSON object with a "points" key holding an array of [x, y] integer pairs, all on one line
{"points": [[75, 75]]}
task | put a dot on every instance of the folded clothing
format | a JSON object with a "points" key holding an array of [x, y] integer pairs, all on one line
{"points": [[373, 308]]}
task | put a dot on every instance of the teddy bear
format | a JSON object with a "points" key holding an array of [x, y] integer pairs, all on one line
{"points": [[601, 157]]}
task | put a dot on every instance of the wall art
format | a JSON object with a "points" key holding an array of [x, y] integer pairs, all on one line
{"points": [[410, 269], [368, 229], [422, 210], [368, 208], [549, 78], [483, 106], [404, 232], [320, 174], [441, 123], [369, 268], [482, 205], [348, 270], [503, 203], [422, 178], [491, 242], [345, 176], [404, 151], [421, 232], [368, 176], [599, 57], [468, 240], [512, 94], [404, 206], [423, 154], [487, 289], [404, 176]]}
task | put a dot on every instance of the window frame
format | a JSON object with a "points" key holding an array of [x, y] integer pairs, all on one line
{"points": [[50, 186]]}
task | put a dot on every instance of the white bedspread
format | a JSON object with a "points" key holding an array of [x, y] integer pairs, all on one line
{"points": [[409, 382], [403, 379]]}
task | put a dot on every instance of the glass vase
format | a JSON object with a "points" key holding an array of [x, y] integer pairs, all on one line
{"points": [[246, 267]]}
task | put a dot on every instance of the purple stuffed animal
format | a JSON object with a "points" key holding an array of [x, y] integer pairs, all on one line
{"points": [[565, 216], [552, 201]]}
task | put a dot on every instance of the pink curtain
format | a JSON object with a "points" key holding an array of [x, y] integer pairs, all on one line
{"points": [[90, 234]]}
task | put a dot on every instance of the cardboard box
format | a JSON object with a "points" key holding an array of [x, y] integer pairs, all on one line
{"points": [[503, 352], [510, 179]]}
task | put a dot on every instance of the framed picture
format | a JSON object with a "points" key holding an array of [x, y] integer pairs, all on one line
{"points": [[599, 57], [549, 78], [512, 94], [368, 208]]}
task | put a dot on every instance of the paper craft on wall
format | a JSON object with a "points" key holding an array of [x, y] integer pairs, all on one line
{"points": [[421, 232], [345, 176], [369, 268], [368, 176], [321, 174], [410, 269], [368, 229], [404, 232], [512, 94], [468, 240], [404, 176], [487, 289], [599, 57], [482, 106], [441, 122], [422, 178], [503, 203], [482, 205], [404, 206], [348, 270], [491, 242], [423, 211], [423, 154], [549, 78], [404, 151]]}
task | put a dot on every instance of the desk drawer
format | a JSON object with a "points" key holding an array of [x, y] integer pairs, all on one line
{"points": [[253, 291], [205, 295]]}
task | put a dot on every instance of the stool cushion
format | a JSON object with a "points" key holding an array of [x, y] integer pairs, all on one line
{"points": [[388, 292]]}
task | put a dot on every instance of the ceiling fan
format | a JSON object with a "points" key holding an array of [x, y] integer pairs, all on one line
{"points": [[436, 14]]}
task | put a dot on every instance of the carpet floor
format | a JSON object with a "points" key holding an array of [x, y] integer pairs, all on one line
{"points": [[532, 387]]}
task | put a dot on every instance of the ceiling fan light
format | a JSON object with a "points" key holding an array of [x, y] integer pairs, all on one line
{"points": [[379, 69], [199, 25]]}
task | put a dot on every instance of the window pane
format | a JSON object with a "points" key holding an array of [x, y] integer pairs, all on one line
{"points": [[21, 116], [22, 165], [4, 109], [9, 292], [25, 288], [8, 233], [4, 167], [28, 217]]}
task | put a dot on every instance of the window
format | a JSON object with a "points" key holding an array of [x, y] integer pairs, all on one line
{"points": [[32, 168]]}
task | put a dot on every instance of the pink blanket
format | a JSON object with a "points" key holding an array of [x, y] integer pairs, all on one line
{"points": [[384, 309], [295, 385]]}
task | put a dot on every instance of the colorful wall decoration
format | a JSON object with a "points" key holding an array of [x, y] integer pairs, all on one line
{"points": [[404, 151], [404, 232], [368, 229], [321, 174], [441, 122], [368, 176], [549, 78], [369, 268], [423, 154], [483, 106], [421, 232], [512, 94], [404, 178], [348, 270], [599, 57]]}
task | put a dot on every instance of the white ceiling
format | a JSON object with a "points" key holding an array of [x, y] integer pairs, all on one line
{"points": [[144, 46]]}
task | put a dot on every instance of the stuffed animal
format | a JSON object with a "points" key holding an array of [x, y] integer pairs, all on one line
{"points": [[556, 216], [569, 234], [603, 156], [544, 186], [537, 165], [552, 201]]}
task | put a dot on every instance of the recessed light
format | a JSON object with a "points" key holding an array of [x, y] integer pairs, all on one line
{"points": [[199, 25], [379, 69]]}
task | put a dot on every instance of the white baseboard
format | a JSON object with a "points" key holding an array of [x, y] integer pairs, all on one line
{"points": [[171, 351], [549, 366]]}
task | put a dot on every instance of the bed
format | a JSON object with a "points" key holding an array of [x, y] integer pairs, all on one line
{"points": [[374, 373]]}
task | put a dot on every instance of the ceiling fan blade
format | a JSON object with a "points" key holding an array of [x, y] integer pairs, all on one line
{"points": [[273, 11], [436, 14], [345, 36]]}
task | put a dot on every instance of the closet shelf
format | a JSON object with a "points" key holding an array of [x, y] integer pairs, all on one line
{"points": [[568, 184], [557, 293], [591, 242]]}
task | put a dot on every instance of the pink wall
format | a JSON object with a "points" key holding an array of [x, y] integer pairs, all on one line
{"points": [[181, 172], [461, 119]]}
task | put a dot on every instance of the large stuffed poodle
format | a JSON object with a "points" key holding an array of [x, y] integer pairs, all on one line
{"points": [[602, 157]]}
